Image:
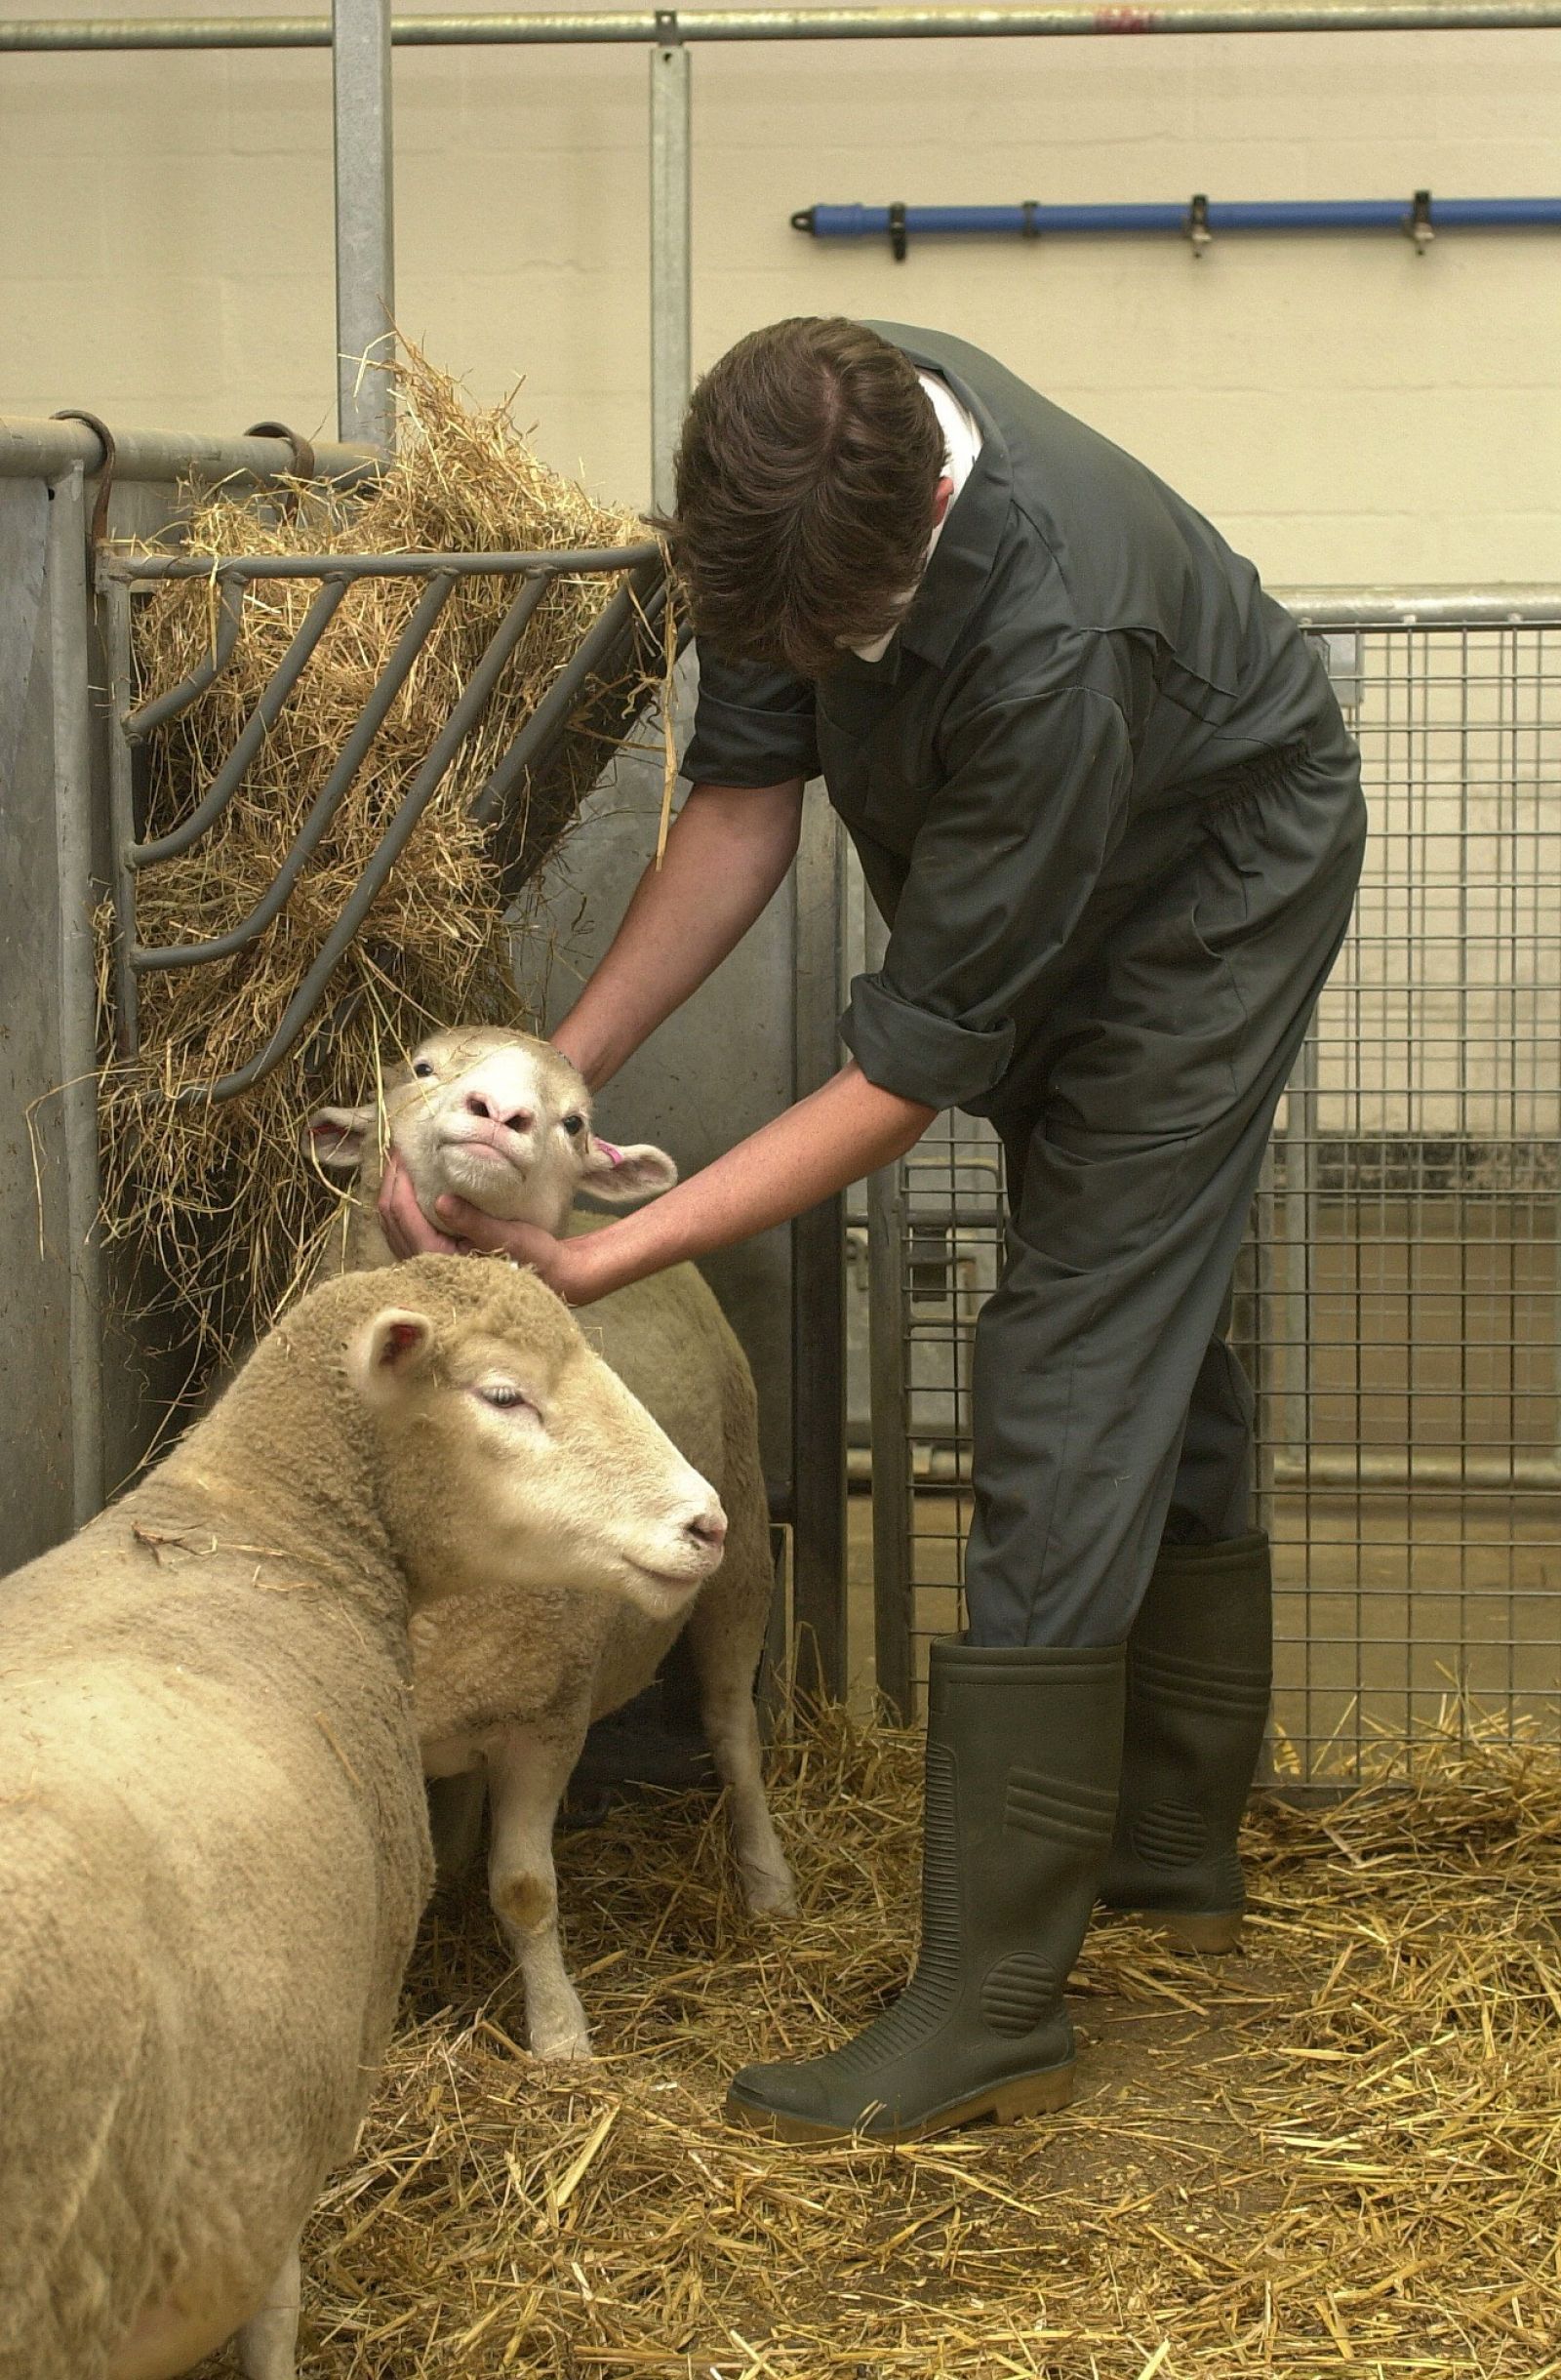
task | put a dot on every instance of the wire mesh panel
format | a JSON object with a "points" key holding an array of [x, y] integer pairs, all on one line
{"points": [[1398, 1296]]}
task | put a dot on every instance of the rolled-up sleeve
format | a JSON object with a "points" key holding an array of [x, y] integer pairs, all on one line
{"points": [[1012, 848], [751, 727]]}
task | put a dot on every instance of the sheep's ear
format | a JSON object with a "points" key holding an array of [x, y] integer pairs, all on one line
{"points": [[391, 1350], [338, 1137], [618, 1175]]}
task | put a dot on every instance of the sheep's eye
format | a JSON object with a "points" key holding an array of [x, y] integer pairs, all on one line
{"points": [[423, 1068], [574, 1125], [505, 1395]]}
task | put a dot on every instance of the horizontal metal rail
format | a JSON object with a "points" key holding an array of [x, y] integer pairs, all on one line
{"points": [[1428, 607], [1065, 19], [43, 450], [1371, 1472], [588, 561]]}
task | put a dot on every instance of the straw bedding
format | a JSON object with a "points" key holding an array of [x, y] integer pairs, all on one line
{"points": [[1340, 2153], [219, 1196]]}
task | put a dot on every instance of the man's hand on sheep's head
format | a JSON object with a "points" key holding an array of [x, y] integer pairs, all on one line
{"points": [[563, 1264], [403, 1222]]}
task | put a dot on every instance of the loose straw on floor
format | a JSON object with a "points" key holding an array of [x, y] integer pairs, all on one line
{"points": [[1337, 2154]]}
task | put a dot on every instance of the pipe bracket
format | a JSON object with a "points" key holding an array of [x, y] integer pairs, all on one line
{"points": [[97, 526], [302, 459]]}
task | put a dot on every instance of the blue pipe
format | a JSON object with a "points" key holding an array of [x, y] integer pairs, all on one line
{"points": [[1419, 219]]}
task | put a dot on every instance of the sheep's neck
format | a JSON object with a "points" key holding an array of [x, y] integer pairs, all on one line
{"points": [[292, 1463]]}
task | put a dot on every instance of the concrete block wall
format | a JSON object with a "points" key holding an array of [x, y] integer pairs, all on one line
{"points": [[1344, 407]]}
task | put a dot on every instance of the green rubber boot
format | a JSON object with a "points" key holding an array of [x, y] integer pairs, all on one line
{"points": [[1200, 1669], [1022, 1752]]}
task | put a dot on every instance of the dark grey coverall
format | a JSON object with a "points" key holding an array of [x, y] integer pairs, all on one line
{"points": [[1103, 794]]}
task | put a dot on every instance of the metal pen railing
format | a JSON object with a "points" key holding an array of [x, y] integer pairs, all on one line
{"points": [[1068, 19], [1399, 1295]]}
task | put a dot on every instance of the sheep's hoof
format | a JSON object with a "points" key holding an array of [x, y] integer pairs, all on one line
{"points": [[562, 2048], [769, 1896]]}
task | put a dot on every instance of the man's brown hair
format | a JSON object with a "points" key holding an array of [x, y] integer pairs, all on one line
{"points": [[806, 482]]}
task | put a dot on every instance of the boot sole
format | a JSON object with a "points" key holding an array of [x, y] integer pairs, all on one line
{"points": [[1209, 1936], [1041, 2094]]}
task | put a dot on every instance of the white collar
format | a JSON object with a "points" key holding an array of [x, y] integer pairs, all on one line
{"points": [[962, 443]]}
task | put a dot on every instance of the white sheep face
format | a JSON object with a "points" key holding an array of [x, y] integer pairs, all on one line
{"points": [[496, 1117], [513, 1456]]}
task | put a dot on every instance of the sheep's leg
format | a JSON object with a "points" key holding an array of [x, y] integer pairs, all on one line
{"points": [[268, 2341], [455, 1818], [526, 1773], [726, 1655]]}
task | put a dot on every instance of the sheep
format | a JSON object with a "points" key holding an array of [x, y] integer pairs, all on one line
{"points": [[214, 1840], [505, 1120]]}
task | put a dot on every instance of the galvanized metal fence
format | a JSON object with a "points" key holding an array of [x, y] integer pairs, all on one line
{"points": [[1399, 1296]]}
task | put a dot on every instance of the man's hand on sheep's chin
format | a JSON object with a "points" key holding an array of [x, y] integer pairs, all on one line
{"points": [[406, 1227], [563, 1264]]}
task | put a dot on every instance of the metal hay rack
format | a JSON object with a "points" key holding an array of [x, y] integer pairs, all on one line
{"points": [[598, 661]]}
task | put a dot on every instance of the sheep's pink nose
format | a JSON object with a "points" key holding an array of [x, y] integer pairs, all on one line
{"points": [[707, 1528], [478, 1104]]}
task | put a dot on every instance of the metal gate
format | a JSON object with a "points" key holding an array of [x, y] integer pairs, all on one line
{"points": [[1398, 1297], [97, 1383]]}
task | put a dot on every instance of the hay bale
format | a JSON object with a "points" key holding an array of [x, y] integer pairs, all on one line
{"points": [[1340, 2152], [217, 1196]]}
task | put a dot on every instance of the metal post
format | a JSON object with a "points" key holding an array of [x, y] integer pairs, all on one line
{"points": [[894, 1594], [1251, 1333], [819, 1283], [365, 222], [1301, 1223], [75, 961], [672, 317], [115, 608]]}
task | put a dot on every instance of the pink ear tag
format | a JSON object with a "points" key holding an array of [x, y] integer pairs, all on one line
{"points": [[399, 1339], [617, 1154]]}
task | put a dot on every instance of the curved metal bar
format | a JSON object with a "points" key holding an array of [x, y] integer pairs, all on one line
{"points": [[326, 804], [371, 883], [551, 715], [252, 733], [97, 529], [138, 724], [561, 564]]}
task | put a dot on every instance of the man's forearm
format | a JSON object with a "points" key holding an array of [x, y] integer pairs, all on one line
{"points": [[726, 856], [836, 1136]]}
